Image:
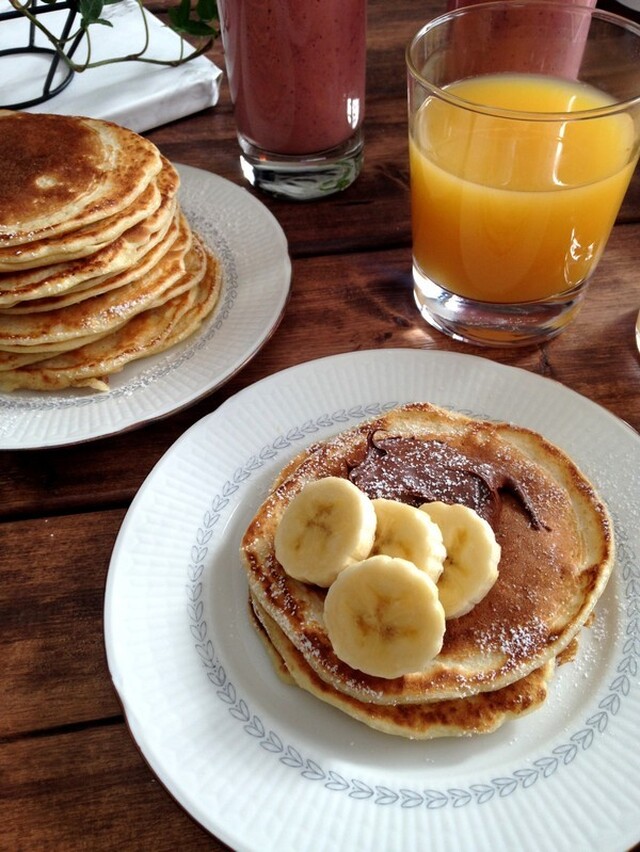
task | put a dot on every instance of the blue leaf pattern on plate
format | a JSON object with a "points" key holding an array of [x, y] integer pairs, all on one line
{"points": [[477, 794]]}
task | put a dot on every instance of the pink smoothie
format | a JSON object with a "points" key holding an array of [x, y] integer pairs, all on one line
{"points": [[525, 55], [296, 71], [456, 4]]}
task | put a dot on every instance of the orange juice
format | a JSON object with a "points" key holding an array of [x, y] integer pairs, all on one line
{"points": [[508, 209]]}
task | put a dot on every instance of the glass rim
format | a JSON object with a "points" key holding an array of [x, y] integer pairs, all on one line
{"points": [[517, 114]]}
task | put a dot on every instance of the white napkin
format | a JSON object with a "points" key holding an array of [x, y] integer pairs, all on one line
{"points": [[136, 95]]}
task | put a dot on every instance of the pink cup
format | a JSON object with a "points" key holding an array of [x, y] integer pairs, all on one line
{"points": [[517, 46], [297, 77]]}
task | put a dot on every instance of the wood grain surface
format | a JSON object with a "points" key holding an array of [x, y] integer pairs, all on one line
{"points": [[71, 776]]}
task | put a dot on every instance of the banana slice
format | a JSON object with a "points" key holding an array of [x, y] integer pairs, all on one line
{"points": [[473, 554], [408, 533], [328, 525], [383, 617]]}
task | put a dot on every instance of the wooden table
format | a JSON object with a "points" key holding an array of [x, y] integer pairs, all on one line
{"points": [[71, 777]]}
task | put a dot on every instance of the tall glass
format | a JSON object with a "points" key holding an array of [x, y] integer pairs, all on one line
{"points": [[456, 4], [296, 73], [519, 162], [564, 62]]}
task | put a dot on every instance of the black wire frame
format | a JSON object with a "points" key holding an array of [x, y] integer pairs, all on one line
{"points": [[29, 47]]}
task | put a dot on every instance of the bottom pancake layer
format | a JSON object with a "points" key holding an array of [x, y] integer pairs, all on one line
{"points": [[478, 714], [179, 314]]}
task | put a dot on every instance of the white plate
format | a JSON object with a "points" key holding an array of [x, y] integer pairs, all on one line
{"points": [[257, 274], [631, 4], [264, 766]]}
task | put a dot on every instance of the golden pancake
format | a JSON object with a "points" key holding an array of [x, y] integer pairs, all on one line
{"points": [[554, 531], [155, 250], [147, 333], [77, 244], [62, 173], [44, 331], [277, 661], [85, 241], [91, 237], [206, 296], [478, 714], [14, 360], [125, 251]]}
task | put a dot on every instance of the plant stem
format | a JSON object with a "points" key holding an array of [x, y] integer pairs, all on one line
{"points": [[59, 44]]}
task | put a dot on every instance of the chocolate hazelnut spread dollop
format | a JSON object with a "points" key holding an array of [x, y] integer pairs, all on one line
{"points": [[415, 472]]}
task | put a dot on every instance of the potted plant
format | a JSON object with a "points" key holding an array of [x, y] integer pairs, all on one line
{"points": [[80, 19]]}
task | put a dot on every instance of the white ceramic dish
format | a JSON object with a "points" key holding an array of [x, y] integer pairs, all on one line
{"points": [[631, 4], [264, 766], [257, 274]]}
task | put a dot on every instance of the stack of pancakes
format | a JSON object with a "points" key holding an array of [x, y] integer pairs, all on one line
{"points": [[497, 660], [98, 264]]}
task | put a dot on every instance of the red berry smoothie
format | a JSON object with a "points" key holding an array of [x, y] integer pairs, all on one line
{"points": [[296, 71], [519, 47]]}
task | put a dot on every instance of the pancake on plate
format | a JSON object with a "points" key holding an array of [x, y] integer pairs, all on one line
{"points": [[61, 173], [92, 235], [85, 241], [155, 249], [28, 289], [98, 314], [478, 714], [189, 301], [554, 533]]}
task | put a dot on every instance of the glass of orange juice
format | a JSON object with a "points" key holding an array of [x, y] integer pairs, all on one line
{"points": [[519, 162]]}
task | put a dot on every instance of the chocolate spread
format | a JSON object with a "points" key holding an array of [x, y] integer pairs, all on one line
{"points": [[416, 472]]}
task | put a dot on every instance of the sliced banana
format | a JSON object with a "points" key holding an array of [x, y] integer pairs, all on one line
{"points": [[410, 534], [328, 526], [473, 554], [383, 617]]}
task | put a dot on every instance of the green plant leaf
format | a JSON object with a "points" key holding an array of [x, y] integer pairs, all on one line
{"points": [[198, 28], [90, 11], [207, 10], [179, 15]]}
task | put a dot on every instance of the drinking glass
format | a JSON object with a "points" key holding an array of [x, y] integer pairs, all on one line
{"points": [[296, 73], [456, 4], [524, 130]]}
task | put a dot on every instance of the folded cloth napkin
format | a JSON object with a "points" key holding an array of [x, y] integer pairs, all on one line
{"points": [[136, 95]]}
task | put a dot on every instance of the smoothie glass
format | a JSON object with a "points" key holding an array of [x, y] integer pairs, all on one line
{"points": [[520, 157], [565, 62], [296, 72]]}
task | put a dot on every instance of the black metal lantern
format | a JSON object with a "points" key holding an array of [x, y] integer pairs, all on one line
{"points": [[27, 46]]}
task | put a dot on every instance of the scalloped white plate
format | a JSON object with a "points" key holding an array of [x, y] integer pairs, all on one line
{"points": [[257, 273], [263, 765]]}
